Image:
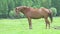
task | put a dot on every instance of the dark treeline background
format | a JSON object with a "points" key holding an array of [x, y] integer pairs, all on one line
{"points": [[7, 6]]}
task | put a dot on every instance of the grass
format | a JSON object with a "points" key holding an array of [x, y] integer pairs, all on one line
{"points": [[20, 26]]}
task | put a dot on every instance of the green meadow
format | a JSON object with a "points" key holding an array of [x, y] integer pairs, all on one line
{"points": [[20, 26]]}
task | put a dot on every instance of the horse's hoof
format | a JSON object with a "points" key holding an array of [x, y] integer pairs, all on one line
{"points": [[30, 28]]}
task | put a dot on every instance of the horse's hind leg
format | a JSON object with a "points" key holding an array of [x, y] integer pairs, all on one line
{"points": [[47, 23], [30, 24]]}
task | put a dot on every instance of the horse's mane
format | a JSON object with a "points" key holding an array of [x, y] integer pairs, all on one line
{"points": [[24, 6]]}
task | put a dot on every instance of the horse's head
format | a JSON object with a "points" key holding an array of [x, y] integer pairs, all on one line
{"points": [[17, 11], [20, 9]]}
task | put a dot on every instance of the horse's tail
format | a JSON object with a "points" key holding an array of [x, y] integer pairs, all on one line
{"points": [[50, 16]]}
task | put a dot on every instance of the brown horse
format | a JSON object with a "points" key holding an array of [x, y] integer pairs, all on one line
{"points": [[35, 13]]}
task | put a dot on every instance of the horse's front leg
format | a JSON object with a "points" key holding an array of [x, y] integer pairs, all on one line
{"points": [[47, 23], [30, 24]]}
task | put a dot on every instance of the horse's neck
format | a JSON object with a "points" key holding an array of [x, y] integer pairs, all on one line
{"points": [[23, 12]]}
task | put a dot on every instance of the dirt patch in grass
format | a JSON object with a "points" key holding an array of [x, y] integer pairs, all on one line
{"points": [[57, 27]]}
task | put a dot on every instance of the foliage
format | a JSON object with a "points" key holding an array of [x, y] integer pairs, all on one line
{"points": [[22, 15], [54, 10], [12, 14], [56, 4]]}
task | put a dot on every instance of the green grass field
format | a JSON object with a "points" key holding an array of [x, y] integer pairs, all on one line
{"points": [[20, 26]]}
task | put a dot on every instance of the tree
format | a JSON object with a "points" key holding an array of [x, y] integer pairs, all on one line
{"points": [[56, 4]]}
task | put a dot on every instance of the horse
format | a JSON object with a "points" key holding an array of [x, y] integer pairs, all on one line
{"points": [[35, 13]]}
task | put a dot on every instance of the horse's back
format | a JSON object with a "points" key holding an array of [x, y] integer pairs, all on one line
{"points": [[44, 11]]}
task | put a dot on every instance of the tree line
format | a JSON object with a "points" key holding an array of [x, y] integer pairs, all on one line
{"points": [[7, 6]]}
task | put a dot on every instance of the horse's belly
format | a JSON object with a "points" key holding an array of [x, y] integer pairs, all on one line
{"points": [[36, 17]]}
